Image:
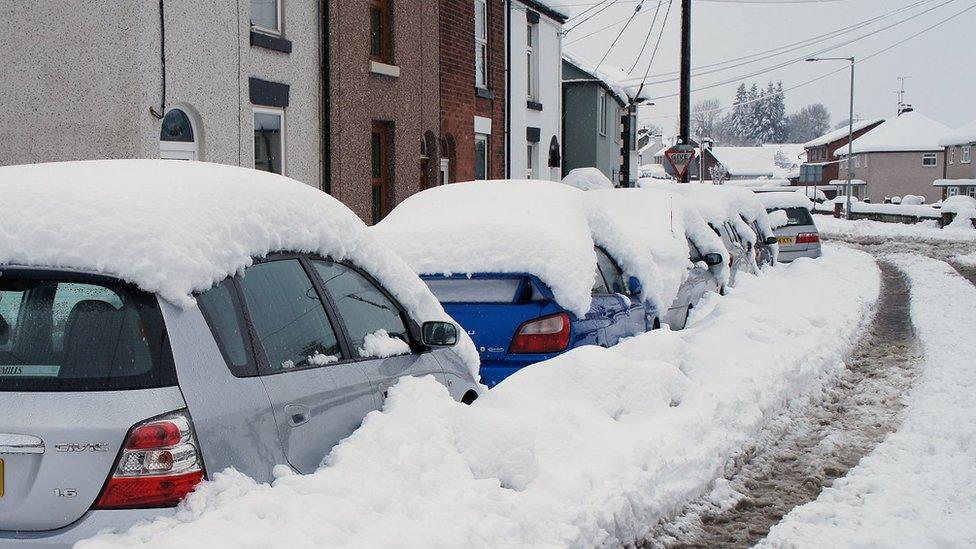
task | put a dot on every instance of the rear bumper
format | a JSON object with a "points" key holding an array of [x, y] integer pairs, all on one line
{"points": [[786, 256], [87, 526], [494, 372]]}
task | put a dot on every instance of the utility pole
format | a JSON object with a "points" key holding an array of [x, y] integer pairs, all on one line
{"points": [[685, 123]]}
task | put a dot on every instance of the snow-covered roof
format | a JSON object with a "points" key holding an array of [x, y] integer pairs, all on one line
{"points": [[517, 226], [961, 136], [174, 228], [841, 133], [745, 161], [787, 199], [546, 8], [613, 77], [955, 183], [588, 179], [842, 182], [910, 132]]}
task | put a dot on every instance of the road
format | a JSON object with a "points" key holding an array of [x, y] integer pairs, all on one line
{"points": [[807, 450]]}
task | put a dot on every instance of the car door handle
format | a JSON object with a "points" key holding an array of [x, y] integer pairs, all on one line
{"points": [[297, 414]]}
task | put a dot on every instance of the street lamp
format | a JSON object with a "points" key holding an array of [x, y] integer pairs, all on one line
{"points": [[850, 128]]}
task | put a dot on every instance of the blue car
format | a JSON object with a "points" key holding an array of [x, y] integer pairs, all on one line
{"points": [[515, 321]]}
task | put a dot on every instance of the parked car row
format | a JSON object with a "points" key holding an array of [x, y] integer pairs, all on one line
{"points": [[162, 321]]}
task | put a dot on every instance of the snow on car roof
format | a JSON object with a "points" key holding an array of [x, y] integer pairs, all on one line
{"points": [[719, 203], [659, 225], [174, 228], [587, 179], [785, 199], [515, 226], [912, 131]]}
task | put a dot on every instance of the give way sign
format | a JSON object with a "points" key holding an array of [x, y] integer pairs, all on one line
{"points": [[680, 158]]}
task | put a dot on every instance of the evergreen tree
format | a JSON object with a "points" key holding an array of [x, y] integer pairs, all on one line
{"points": [[753, 129], [737, 123]]}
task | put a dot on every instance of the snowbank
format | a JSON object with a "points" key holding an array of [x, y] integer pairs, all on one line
{"points": [[537, 227], [917, 488], [173, 228], [831, 227], [585, 450], [784, 200], [588, 179], [958, 203]]}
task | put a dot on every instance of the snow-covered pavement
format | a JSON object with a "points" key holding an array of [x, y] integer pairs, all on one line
{"points": [[918, 487], [861, 229], [589, 449]]}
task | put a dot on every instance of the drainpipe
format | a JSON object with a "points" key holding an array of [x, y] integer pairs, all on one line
{"points": [[508, 90], [326, 107], [162, 61]]}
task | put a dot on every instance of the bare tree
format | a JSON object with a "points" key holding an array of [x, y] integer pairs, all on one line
{"points": [[705, 115]]}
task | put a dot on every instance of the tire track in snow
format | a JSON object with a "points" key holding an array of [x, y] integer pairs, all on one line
{"points": [[800, 455]]}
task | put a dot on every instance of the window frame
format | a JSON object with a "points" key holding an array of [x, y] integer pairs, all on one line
{"points": [[966, 156], [275, 32], [247, 333], [481, 80], [934, 157], [530, 163], [952, 155], [532, 60], [486, 138], [385, 55], [280, 112], [602, 114], [385, 131]]}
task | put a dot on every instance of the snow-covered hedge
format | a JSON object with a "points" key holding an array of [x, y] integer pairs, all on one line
{"points": [[588, 179]]}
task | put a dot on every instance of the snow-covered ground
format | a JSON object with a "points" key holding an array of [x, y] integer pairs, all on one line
{"points": [[589, 449], [863, 228], [918, 487]]}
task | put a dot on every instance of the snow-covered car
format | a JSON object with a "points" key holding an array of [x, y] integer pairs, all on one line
{"points": [[528, 268], [797, 234], [690, 258], [163, 321]]}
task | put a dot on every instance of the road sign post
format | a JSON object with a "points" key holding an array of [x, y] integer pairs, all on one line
{"points": [[680, 157]]}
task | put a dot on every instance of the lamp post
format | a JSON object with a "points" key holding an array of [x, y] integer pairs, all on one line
{"points": [[850, 127]]}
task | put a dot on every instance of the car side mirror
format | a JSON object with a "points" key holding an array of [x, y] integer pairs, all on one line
{"points": [[634, 286], [439, 334], [713, 259], [770, 240]]}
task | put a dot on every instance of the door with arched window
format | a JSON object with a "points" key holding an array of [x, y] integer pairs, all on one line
{"points": [[177, 138]]}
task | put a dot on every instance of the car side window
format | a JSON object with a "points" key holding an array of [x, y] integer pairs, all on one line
{"points": [[222, 311], [364, 310], [599, 285], [694, 254], [289, 319], [611, 273]]}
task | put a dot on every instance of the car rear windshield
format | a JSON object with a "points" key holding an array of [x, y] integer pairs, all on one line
{"points": [[482, 290], [798, 216], [79, 334]]}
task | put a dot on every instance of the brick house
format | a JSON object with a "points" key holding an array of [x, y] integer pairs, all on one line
{"points": [[901, 156], [959, 174], [472, 90], [821, 166]]}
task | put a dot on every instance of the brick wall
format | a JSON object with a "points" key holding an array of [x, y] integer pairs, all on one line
{"points": [[459, 102]]}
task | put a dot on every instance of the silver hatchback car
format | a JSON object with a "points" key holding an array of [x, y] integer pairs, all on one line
{"points": [[799, 237], [117, 403]]}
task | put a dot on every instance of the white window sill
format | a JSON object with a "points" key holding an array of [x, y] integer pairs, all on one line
{"points": [[376, 67]]}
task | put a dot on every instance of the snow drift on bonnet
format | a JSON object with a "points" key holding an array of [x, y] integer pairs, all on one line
{"points": [[175, 228]]}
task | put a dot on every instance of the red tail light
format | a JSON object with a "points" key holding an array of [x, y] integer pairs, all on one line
{"points": [[159, 465], [548, 334], [808, 238]]}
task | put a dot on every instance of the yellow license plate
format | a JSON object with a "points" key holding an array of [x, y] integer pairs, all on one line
{"points": [[786, 240], [1, 478]]}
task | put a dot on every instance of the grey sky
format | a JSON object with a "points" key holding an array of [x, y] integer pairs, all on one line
{"points": [[941, 62]]}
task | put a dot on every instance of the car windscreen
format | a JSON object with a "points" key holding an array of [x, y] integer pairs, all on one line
{"points": [[78, 334], [798, 216], [476, 290]]}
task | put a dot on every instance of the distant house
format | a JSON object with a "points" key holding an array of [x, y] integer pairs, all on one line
{"points": [[959, 173], [901, 156], [821, 166], [780, 161], [599, 120], [534, 139]]}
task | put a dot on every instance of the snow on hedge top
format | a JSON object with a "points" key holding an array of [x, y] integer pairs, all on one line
{"points": [[785, 199], [536, 227], [841, 133], [173, 228], [588, 179], [912, 131], [958, 203], [961, 136]]}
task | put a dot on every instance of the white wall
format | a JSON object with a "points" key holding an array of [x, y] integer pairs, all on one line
{"points": [[549, 57]]}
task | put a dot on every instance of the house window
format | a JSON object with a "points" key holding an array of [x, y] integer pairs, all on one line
{"points": [[532, 81], [176, 137], [380, 47], [952, 155], [269, 140], [930, 159], [480, 156], [381, 169], [481, 43], [953, 191], [530, 161], [966, 156], [971, 192], [602, 106], [266, 15]]}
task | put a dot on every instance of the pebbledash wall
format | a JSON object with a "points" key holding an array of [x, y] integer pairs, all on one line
{"points": [[891, 174], [79, 79]]}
